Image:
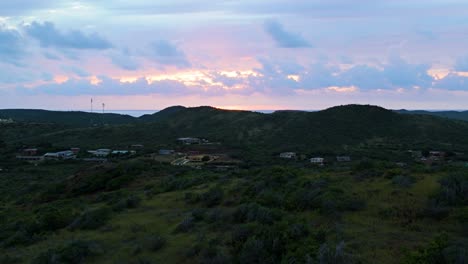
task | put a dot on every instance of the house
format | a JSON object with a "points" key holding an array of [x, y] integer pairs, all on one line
{"points": [[120, 152], [436, 155], [317, 161], [166, 152], [100, 152], [343, 158], [61, 155], [75, 150], [30, 152], [189, 140], [288, 155], [137, 146], [417, 154]]}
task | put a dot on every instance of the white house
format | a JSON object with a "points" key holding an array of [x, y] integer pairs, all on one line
{"points": [[62, 155], [100, 152], [189, 140], [343, 158], [317, 160], [288, 155]]}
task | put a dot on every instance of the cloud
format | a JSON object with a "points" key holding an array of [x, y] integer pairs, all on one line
{"points": [[12, 46], [462, 64], [125, 60], [49, 36], [405, 75], [18, 7], [109, 86], [452, 82], [283, 38], [165, 53], [51, 56], [76, 70]]}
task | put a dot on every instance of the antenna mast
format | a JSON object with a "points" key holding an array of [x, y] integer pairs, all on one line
{"points": [[103, 107], [91, 105]]}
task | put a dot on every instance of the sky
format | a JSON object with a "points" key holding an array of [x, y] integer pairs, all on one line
{"points": [[233, 54]]}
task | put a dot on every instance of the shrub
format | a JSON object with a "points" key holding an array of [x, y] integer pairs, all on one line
{"points": [[254, 212], [91, 219], [454, 190], [198, 214], [403, 181], [333, 255], [50, 218], [73, 252], [155, 242], [254, 251], [186, 225], [192, 198], [212, 197], [130, 202], [213, 255], [20, 237]]}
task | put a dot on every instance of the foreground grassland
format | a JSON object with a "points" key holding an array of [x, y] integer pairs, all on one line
{"points": [[141, 211]]}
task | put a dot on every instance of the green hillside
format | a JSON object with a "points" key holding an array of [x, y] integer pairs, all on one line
{"points": [[382, 207], [331, 130]]}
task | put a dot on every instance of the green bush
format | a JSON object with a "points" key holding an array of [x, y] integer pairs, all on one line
{"points": [[212, 197], [186, 225], [73, 252], [454, 190], [154, 242], [92, 218]]}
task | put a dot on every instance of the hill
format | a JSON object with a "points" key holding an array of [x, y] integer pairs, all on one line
{"points": [[459, 115], [70, 118], [331, 130]]}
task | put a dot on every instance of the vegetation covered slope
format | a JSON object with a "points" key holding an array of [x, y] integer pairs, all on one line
{"points": [[332, 129]]}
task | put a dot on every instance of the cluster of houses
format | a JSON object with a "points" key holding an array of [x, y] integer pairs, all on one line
{"points": [[98, 155], [31, 154], [6, 121], [320, 161]]}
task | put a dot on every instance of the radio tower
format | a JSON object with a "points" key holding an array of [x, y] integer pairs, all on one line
{"points": [[103, 107], [91, 105]]}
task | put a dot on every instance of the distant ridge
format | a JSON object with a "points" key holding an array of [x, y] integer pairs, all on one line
{"points": [[460, 115], [86, 119], [70, 118]]}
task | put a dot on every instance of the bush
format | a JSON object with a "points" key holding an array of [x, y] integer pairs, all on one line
{"points": [[403, 181], [254, 251], [254, 212], [50, 218], [92, 219], [186, 225], [198, 214], [454, 190], [20, 237], [333, 255], [155, 242], [212, 197], [127, 203], [192, 198], [73, 252]]}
